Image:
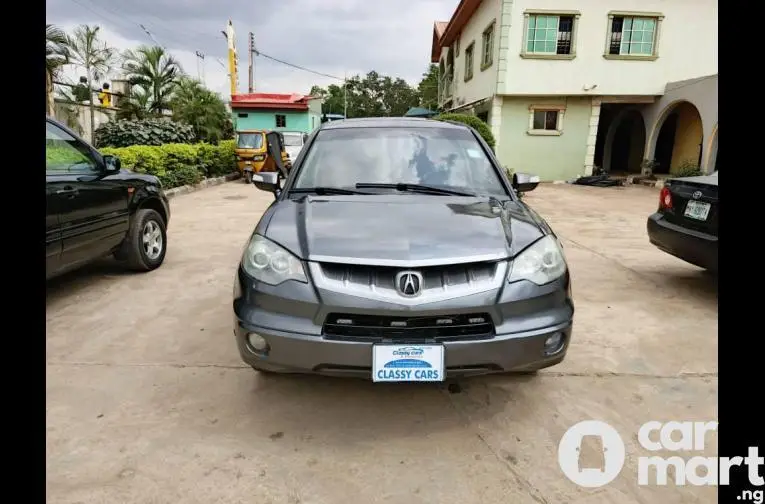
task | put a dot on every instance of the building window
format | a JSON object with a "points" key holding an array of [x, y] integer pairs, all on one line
{"points": [[632, 35], [546, 120], [469, 50], [241, 115], [550, 35], [281, 121], [487, 47]]}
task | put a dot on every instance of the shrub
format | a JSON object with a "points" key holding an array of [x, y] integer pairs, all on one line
{"points": [[177, 164], [474, 122], [687, 168], [124, 133]]}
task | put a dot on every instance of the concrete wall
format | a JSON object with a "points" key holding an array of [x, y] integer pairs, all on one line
{"points": [[314, 114], [702, 94], [687, 48], [552, 157], [77, 116], [266, 120]]}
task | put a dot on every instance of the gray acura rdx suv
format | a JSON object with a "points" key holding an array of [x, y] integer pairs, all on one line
{"points": [[397, 249]]}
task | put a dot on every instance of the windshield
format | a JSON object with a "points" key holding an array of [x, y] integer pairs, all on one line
{"points": [[293, 140], [443, 157], [249, 140]]}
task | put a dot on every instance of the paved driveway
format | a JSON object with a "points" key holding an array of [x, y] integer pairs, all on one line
{"points": [[147, 400]]}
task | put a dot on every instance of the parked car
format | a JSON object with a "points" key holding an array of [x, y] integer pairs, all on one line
{"points": [[398, 249], [686, 223], [95, 208], [293, 143]]}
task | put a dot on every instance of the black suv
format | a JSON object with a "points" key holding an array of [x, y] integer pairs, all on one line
{"points": [[94, 208]]}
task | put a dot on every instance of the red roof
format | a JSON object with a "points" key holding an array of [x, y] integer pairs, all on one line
{"points": [[292, 101], [461, 16]]}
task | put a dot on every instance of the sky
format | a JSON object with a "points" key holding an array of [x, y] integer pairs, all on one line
{"points": [[334, 37]]}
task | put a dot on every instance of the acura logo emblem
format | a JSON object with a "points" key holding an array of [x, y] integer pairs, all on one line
{"points": [[409, 283], [696, 195]]}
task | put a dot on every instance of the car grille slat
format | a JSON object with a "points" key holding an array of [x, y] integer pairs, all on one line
{"points": [[353, 327], [435, 278]]}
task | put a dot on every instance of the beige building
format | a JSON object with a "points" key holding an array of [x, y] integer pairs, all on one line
{"points": [[566, 86]]}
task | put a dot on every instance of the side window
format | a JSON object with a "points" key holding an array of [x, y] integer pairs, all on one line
{"points": [[66, 154]]}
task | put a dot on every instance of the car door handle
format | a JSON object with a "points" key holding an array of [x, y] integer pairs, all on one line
{"points": [[67, 191]]}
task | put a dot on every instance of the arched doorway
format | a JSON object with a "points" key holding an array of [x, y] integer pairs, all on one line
{"points": [[712, 153], [679, 138], [627, 143]]}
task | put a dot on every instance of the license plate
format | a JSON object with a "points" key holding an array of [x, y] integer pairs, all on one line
{"points": [[697, 210], [408, 363], [248, 162]]}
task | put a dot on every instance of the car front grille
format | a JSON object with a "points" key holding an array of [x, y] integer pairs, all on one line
{"points": [[352, 327]]}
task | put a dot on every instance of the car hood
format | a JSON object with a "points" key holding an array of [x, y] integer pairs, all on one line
{"points": [[401, 229]]}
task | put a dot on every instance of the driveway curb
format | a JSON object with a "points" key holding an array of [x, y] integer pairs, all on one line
{"points": [[209, 182]]}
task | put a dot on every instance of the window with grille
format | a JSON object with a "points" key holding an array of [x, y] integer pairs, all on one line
{"points": [[545, 120], [487, 52], [281, 121], [632, 36], [469, 50], [550, 34]]}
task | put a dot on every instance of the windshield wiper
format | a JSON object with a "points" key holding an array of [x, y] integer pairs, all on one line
{"points": [[325, 190], [414, 188]]}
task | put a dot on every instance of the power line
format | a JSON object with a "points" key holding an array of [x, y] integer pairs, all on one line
{"points": [[151, 36], [260, 53]]}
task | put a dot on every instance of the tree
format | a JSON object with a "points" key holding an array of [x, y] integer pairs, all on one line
{"points": [[56, 56], [201, 108], [153, 70], [428, 88], [137, 105], [374, 95], [87, 51]]}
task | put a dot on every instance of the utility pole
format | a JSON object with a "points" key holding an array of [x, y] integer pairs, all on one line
{"points": [[251, 86], [200, 66], [345, 95]]}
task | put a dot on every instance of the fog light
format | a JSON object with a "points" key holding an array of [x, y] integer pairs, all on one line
{"points": [[257, 342], [554, 343]]}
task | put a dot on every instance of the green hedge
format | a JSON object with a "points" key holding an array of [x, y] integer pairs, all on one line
{"points": [[124, 133], [481, 127], [178, 164]]}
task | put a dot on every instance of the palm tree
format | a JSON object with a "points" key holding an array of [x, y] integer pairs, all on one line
{"points": [[203, 109], [155, 71], [89, 52], [136, 106], [56, 56]]}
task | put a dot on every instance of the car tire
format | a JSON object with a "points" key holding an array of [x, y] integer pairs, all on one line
{"points": [[248, 177], [145, 246]]}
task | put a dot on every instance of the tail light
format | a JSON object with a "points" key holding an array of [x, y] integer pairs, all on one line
{"points": [[665, 199]]}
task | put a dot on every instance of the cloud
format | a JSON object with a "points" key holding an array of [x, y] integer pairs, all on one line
{"points": [[335, 37]]}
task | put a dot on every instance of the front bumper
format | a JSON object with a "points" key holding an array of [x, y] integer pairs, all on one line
{"points": [[524, 316], [695, 247]]}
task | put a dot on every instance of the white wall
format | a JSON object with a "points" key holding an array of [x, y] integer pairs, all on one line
{"points": [[687, 48], [483, 83]]}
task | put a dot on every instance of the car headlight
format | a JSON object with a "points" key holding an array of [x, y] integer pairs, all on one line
{"points": [[270, 263], [541, 263]]}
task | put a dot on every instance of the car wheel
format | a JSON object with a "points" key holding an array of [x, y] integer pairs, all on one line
{"points": [[146, 243], [248, 177]]}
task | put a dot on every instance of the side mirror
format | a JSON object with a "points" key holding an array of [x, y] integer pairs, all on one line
{"points": [[112, 163], [266, 181], [525, 182]]}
